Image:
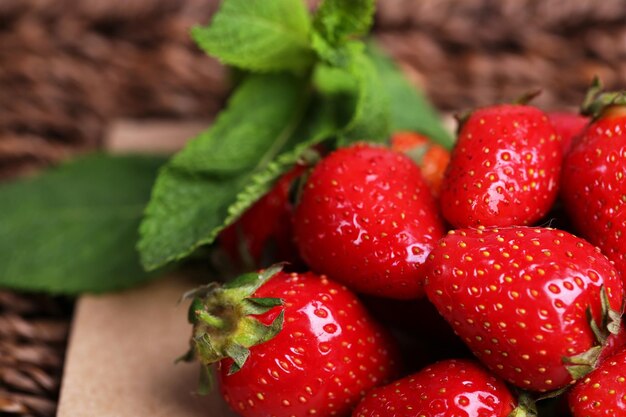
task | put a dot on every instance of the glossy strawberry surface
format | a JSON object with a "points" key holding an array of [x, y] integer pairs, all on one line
{"points": [[432, 158], [450, 388], [594, 185], [602, 393], [327, 355], [569, 126], [367, 219], [518, 298], [504, 168]]}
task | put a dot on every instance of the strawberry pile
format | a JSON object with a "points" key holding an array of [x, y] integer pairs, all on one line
{"points": [[422, 283]]}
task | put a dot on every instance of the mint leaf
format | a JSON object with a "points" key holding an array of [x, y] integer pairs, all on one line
{"points": [[371, 119], [409, 108], [333, 81], [72, 229], [259, 35], [336, 20], [199, 193], [258, 121]]}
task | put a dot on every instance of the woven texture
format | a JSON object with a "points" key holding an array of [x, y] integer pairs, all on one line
{"points": [[475, 52], [68, 67], [33, 334]]}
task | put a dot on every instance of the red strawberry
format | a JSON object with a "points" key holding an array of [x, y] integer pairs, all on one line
{"points": [[594, 184], [268, 223], [603, 392], [519, 296], [432, 158], [504, 169], [367, 219], [450, 388], [326, 356], [569, 126]]}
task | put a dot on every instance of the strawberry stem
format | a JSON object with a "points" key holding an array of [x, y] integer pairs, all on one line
{"points": [[597, 102], [527, 97], [209, 319], [526, 406], [225, 321]]}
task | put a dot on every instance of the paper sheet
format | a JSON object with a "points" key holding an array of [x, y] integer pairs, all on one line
{"points": [[120, 360]]}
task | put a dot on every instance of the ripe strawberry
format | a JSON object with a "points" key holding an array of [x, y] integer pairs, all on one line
{"points": [[519, 296], [429, 156], [569, 126], [593, 185], [450, 388], [367, 219], [265, 227], [603, 392], [504, 169], [292, 345]]}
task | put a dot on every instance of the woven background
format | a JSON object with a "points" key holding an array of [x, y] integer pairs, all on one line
{"points": [[68, 67]]}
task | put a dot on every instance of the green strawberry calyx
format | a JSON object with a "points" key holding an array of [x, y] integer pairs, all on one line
{"points": [[610, 322], [599, 102], [224, 322], [526, 406]]}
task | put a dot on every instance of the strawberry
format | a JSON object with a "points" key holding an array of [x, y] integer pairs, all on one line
{"points": [[264, 227], [289, 344], [367, 219], [569, 126], [593, 185], [429, 156], [450, 388], [520, 298], [504, 169], [603, 392]]}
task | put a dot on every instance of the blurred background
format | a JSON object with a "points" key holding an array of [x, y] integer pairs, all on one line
{"points": [[69, 69]]}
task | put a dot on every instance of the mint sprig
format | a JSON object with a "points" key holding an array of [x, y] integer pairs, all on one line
{"points": [[304, 79], [262, 132], [327, 87]]}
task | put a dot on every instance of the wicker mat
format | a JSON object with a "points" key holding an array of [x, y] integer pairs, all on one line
{"points": [[68, 67], [33, 334]]}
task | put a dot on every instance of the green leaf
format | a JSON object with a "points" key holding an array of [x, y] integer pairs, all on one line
{"points": [[370, 120], [259, 35], [409, 108], [330, 80], [73, 228], [239, 354], [258, 121], [252, 306], [207, 187], [337, 20]]}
